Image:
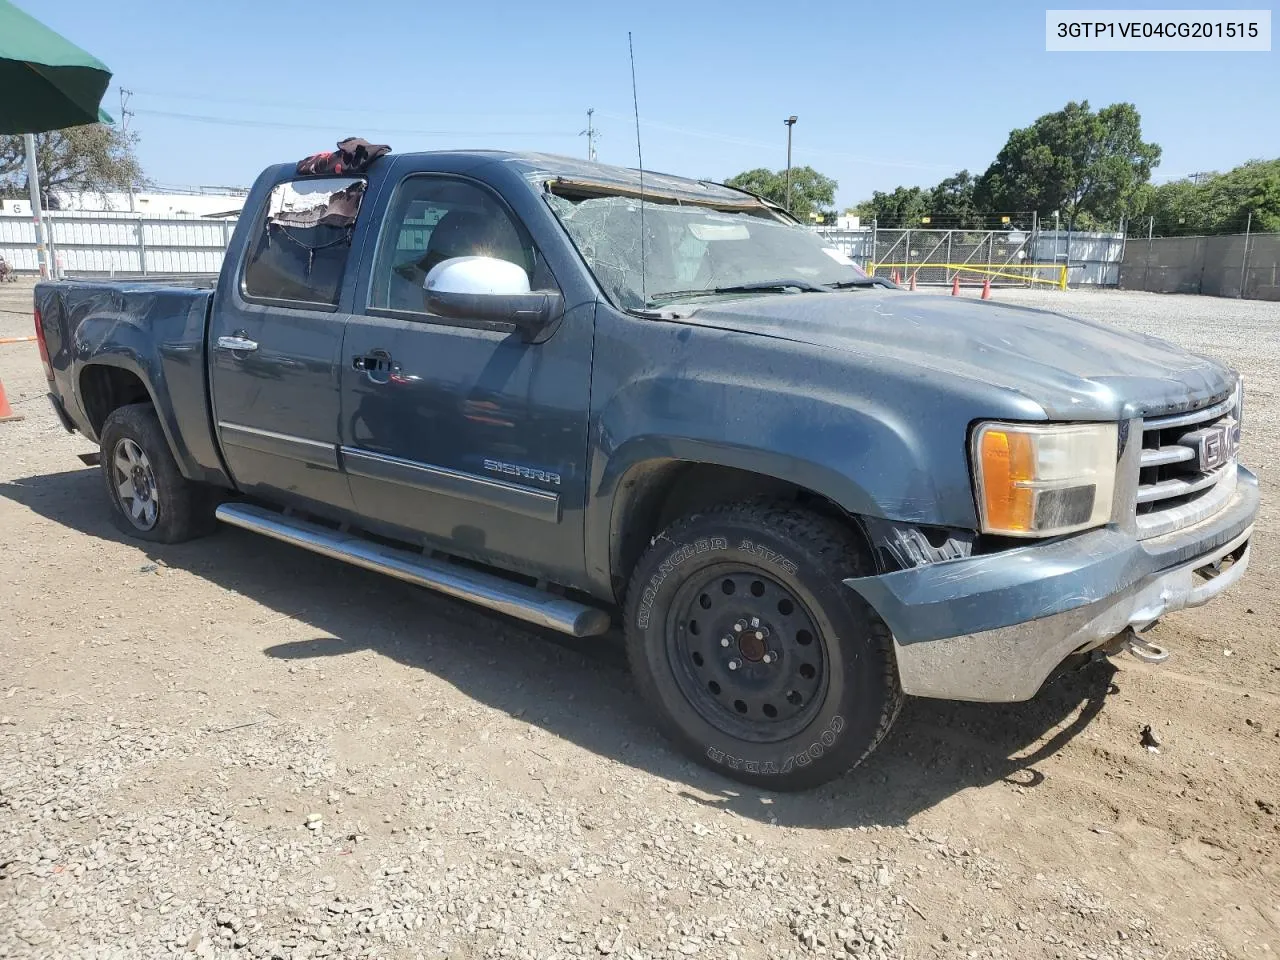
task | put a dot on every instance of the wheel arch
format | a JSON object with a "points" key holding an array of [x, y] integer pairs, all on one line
{"points": [[105, 385], [649, 492]]}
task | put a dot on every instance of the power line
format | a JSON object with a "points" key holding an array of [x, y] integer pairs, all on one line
{"points": [[365, 112], [277, 124], [743, 142], [324, 107]]}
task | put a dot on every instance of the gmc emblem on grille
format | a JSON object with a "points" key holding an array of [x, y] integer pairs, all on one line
{"points": [[1213, 446]]}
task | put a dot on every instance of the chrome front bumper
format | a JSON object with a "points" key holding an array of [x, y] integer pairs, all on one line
{"points": [[994, 627]]}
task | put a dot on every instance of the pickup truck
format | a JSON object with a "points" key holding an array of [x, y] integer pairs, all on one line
{"points": [[582, 395]]}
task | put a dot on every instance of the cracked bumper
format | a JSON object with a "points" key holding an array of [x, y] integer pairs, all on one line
{"points": [[993, 627]]}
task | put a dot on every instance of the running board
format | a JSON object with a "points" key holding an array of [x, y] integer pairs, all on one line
{"points": [[484, 589]]}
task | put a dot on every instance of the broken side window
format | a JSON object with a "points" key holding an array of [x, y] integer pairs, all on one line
{"points": [[300, 253]]}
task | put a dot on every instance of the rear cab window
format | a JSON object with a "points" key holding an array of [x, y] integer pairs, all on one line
{"points": [[300, 251]]}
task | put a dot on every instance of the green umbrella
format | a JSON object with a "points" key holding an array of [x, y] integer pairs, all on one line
{"points": [[46, 81]]}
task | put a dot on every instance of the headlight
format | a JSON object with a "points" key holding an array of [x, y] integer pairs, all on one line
{"points": [[1038, 481]]}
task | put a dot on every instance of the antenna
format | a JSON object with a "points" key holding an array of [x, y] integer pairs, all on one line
{"points": [[635, 102], [592, 135]]}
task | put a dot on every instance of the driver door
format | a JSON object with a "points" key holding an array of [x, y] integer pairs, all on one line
{"points": [[457, 431]]}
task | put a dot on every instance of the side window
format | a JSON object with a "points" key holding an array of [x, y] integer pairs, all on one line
{"points": [[432, 219], [301, 250]]}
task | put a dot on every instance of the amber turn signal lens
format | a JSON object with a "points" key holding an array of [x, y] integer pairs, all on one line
{"points": [[1008, 464]]}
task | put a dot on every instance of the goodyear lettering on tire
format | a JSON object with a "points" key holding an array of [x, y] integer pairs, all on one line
{"points": [[810, 754]]}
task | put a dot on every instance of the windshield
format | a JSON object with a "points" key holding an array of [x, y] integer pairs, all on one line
{"points": [[695, 252]]}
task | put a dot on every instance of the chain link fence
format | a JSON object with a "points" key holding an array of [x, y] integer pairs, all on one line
{"points": [[1008, 256]]}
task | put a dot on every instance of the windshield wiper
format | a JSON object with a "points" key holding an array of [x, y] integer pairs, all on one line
{"points": [[861, 282], [765, 285], [761, 286]]}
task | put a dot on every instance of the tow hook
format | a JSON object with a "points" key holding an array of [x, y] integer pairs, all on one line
{"points": [[1144, 650]]}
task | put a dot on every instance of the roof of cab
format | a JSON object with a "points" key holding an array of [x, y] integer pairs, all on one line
{"points": [[540, 168]]}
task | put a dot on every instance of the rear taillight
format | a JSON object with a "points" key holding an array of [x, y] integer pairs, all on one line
{"points": [[44, 348]]}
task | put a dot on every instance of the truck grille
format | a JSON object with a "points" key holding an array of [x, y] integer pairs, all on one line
{"points": [[1188, 466]]}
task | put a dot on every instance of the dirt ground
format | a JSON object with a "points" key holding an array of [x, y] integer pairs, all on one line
{"points": [[234, 748]]}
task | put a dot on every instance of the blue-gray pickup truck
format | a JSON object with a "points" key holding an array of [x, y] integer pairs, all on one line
{"points": [[580, 395]]}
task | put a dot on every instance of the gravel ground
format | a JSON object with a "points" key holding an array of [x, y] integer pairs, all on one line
{"points": [[232, 748]]}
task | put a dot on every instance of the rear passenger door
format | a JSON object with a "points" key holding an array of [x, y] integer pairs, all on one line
{"points": [[275, 343], [459, 431]]}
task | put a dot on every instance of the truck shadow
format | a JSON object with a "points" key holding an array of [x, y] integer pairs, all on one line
{"points": [[580, 690]]}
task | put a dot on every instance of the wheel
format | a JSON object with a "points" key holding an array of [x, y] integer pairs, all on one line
{"points": [[151, 499], [757, 661]]}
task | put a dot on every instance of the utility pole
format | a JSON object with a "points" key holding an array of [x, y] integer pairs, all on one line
{"points": [[591, 134], [790, 122], [125, 114], [33, 188]]}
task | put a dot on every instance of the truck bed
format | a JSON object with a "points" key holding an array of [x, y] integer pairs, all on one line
{"points": [[142, 337]]}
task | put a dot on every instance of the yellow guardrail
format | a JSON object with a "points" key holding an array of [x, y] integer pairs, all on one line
{"points": [[1009, 271]]}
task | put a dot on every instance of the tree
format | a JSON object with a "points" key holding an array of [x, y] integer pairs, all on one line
{"points": [[1217, 202], [904, 207], [1251, 188], [95, 158], [811, 192], [952, 203], [1090, 166], [1180, 207]]}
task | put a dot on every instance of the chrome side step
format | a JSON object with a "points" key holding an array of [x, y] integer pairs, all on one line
{"points": [[484, 589]]}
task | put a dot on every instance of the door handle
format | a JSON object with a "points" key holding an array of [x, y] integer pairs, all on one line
{"points": [[377, 365], [237, 344]]}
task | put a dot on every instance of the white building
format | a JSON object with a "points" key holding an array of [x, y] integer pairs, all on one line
{"points": [[156, 204]]}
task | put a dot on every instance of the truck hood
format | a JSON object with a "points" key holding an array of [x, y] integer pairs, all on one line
{"points": [[1071, 368]]}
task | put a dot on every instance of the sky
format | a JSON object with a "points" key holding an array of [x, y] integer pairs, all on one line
{"points": [[885, 94]]}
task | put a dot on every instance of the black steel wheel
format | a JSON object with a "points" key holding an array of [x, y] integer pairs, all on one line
{"points": [[746, 653], [754, 656]]}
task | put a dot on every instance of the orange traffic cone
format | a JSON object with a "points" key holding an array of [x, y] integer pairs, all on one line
{"points": [[986, 288], [896, 278], [955, 286], [6, 411], [912, 284]]}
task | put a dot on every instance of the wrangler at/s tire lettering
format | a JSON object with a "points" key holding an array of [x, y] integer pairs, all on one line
{"points": [[756, 659]]}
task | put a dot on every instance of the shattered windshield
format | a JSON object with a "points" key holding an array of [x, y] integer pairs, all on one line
{"points": [[693, 253]]}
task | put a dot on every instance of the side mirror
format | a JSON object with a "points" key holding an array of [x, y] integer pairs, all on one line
{"points": [[486, 288]]}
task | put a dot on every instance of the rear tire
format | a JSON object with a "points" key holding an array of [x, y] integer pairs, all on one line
{"points": [[757, 660], [150, 498]]}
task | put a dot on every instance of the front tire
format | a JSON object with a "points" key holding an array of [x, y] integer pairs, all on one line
{"points": [[756, 659], [150, 498]]}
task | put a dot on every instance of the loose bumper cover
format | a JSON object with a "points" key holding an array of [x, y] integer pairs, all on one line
{"points": [[993, 627]]}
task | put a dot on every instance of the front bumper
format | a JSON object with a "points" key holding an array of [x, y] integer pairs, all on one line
{"points": [[993, 627]]}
